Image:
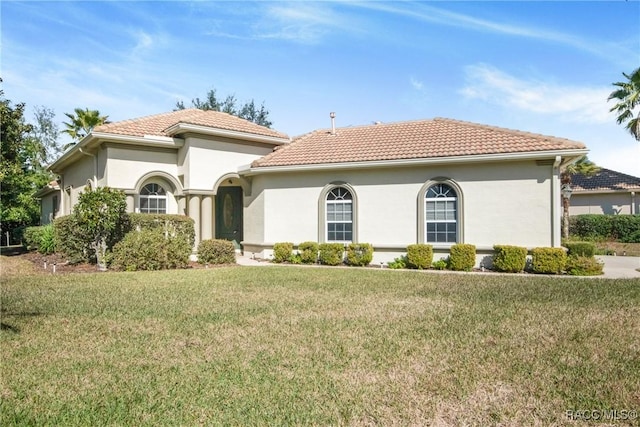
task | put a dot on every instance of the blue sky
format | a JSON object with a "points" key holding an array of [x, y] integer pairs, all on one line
{"points": [[543, 67]]}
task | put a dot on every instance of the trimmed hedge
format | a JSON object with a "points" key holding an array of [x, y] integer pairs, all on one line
{"points": [[150, 249], [625, 228], [216, 251], [419, 256], [31, 237], [331, 253], [282, 252], [359, 254], [308, 252], [510, 259], [174, 225], [587, 249], [583, 266], [548, 260], [462, 257]]}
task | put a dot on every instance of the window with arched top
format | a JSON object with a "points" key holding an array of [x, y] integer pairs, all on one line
{"points": [[153, 199], [339, 215], [441, 214]]}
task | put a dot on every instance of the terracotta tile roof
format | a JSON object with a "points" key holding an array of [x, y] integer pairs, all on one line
{"points": [[157, 124], [409, 140], [605, 180]]}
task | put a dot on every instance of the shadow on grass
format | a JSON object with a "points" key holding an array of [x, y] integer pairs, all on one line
{"points": [[10, 328], [12, 250]]}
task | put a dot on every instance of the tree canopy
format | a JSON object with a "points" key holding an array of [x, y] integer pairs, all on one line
{"points": [[248, 111], [627, 108], [82, 122], [23, 163]]}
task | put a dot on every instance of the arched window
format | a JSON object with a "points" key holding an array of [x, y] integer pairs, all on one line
{"points": [[441, 214], [339, 215], [153, 199]]}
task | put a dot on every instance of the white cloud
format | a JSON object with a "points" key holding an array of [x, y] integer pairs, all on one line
{"points": [[570, 103], [416, 84]]}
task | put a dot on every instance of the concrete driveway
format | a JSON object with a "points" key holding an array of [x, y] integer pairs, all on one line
{"points": [[620, 267]]}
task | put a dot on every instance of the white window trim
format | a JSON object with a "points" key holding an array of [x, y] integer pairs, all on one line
{"points": [[422, 211], [164, 197], [322, 213]]}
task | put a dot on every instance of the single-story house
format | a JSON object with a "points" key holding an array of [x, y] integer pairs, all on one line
{"points": [[605, 192], [436, 181]]}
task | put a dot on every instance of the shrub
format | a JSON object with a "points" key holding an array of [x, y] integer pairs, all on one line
{"points": [[578, 265], [510, 259], [216, 251], [441, 264], [604, 227], [548, 260], [331, 253], [419, 256], [175, 225], [48, 241], [359, 254], [308, 252], [398, 263], [150, 250], [282, 252], [462, 257], [634, 237], [587, 249], [31, 237], [70, 240]]}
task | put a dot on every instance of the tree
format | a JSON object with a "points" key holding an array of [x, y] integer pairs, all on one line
{"points": [[46, 132], [248, 111], [21, 168], [82, 123], [101, 218], [628, 94], [583, 166]]}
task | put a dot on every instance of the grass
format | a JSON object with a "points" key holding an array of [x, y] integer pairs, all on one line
{"points": [[315, 346]]}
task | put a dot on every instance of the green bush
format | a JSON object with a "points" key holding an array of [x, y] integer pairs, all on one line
{"points": [[633, 237], [282, 252], [48, 241], [510, 259], [70, 240], [216, 251], [462, 257], [587, 249], [150, 249], [578, 265], [441, 264], [175, 225], [398, 263], [331, 253], [359, 254], [548, 260], [604, 227], [31, 237], [419, 256], [308, 252]]}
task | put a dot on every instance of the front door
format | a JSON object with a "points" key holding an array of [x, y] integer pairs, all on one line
{"points": [[229, 214]]}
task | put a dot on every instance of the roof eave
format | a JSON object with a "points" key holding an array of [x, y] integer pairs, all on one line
{"points": [[475, 158], [96, 138], [179, 128]]}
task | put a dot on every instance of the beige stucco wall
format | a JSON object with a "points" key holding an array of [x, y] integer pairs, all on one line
{"points": [[604, 203], [502, 203], [209, 159], [47, 208], [74, 180]]}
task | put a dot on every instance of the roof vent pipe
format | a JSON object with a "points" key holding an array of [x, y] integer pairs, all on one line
{"points": [[333, 122]]}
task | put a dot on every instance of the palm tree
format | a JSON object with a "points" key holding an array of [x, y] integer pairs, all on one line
{"points": [[82, 123], [583, 166], [629, 96]]}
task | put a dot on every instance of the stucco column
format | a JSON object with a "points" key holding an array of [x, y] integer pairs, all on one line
{"points": [[130, 203], [207, 217], [182, 205], [194, 214]]}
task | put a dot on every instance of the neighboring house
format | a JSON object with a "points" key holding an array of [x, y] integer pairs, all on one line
{"points": [[433, 181], [606, 192]]}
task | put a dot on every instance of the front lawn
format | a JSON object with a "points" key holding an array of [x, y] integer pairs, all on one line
{"points": [[319, 346]]}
